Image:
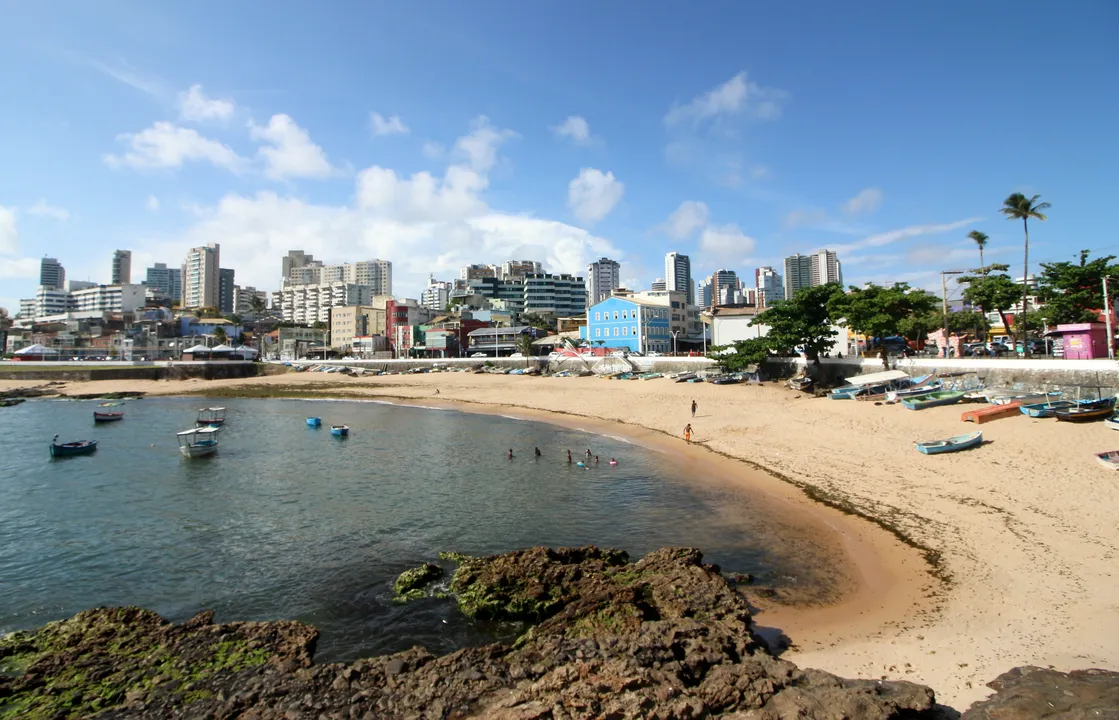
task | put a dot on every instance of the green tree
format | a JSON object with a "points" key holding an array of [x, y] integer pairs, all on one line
{"points": [[1073, 293], [749, 352], [804, 321], [219, 335], [991, 293], [318, 325], [980, 240], [257, 304], [881, 312], [1018, 207], [537, 321], [524, 344]]}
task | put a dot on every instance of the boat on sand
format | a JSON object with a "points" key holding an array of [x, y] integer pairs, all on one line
{"points": [[952, 444]]}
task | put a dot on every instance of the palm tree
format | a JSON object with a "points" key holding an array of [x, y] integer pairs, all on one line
{"points": [[1015, 207], [219, 335], [980, 240], [257, 304]]}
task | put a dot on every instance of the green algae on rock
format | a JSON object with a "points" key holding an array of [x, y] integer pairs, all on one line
{"points": [[410, 584]]}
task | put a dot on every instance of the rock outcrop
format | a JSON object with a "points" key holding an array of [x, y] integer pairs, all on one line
{"points": [[665, 637], [1028, 692]]}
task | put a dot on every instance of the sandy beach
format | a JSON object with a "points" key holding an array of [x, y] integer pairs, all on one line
{"points": [[1010, 554]]}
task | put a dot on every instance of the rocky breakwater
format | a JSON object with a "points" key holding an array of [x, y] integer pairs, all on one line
{"points": [[665, 637]]}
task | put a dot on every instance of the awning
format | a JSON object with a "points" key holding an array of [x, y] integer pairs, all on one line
{"points": [[197, 349], [221, 348], [36, 350], [877, 378]]}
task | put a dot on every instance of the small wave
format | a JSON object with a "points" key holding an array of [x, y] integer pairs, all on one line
{"points": [[512, 417]]}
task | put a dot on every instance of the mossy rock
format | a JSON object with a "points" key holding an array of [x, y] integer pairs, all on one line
{"points": [[410, 583]]}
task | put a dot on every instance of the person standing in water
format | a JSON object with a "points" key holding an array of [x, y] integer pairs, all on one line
{"points": [[588, 452], [510, 453], [688, 433], [694, 406], [537, 451], [568, 457]]}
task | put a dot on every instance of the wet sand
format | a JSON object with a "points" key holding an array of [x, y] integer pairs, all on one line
{"points": [[1010, 551]]}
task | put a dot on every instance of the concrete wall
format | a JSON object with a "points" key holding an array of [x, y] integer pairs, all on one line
{"points": [[603, 365], [81, 371]]}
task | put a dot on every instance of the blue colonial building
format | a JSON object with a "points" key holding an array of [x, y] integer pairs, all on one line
{"points": [[628, 323]]}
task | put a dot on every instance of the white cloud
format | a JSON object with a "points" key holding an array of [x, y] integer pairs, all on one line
{"points": [[867, 201], [433, 150], [424, 223], [42, 209], [152, 203], [893, 236], [686, 219], [725, 243], [194, 106], [479, 148], [576, 128], [21, 268], [9, 238], [736, 96], [291, 153], [804, 218], [391, 126], [593, 194], [165, 145]]}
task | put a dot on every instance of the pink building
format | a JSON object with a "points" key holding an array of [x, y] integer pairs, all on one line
{"points": [[1082, 341]]}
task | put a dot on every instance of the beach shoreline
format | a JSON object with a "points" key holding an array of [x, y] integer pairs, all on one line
{"points": [[899, 620]]}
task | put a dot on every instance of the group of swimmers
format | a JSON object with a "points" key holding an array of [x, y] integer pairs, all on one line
{"points": [[570, 460]]}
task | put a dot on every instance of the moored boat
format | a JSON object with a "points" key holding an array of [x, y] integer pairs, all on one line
{"points": [[211, 417], [314, 422], [1112, 422], [1024, 398], [99, 417], [732, 379], [952, 444], [933, 399], [685, 377], [1088, 412], [78, 447], [1109, 459], [1046, 409], [198, 442], [340, 430]]}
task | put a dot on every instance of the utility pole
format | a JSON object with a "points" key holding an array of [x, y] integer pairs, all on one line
{"points": [[1107, 317]]}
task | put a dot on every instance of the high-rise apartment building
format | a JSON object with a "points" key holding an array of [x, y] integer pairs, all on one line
{"points": [[300, 268], [168, 281], [122, 267], [769, 286], [659, 285], [602, 279], [678, 275], [826, 268], [437, 294], [705, 292], [376, 274], [514, 269], [200, 280], [243, 300], [51, 274], [225, 290], [308, 304], [477, 272], [296, 260], [555, 295], [725, 285], [798, 274]]}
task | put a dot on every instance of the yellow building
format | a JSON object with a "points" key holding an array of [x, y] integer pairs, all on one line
{"points": [[352, 321]]}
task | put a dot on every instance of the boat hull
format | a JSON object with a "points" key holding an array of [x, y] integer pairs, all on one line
{"points": [[1046, 410], [953, 444], [1109, 459], [199, 450], [935, 399], [340, 431], [1088, 411], [107, 417], [87, 447], [314, 422]]}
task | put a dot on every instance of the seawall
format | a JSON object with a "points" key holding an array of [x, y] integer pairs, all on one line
{"points": [[123, 370]]}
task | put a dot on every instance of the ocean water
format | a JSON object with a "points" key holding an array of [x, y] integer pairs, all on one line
{"points": [[288, 522]]}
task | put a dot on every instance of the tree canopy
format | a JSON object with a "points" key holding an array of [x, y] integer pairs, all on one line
{"points": [[804, 321], [1073, 293], [880, 312], [991, 292]]}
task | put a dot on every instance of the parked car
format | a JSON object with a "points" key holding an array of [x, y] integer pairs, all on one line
{"points": [[1037, 347], [479, 354], [975, 349], [654, 354], [517, 355], [998, 349]]}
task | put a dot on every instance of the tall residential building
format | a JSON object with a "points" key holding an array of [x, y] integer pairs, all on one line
{"points": [[705, 292], [243, 300], [376, 274], [556, 295], [513, 269], [308, 304], [769, 286], [798, 274], [295, 260], [477, 272], [726, 283], [51, 273], [602, 279], [659, 284], [826, 268], [168, 281], [225, 290], [352, 321], [437, 294], [678, 274], [201, 284], [122, 267]]}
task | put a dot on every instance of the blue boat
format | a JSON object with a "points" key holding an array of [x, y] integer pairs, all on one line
{"points": [[934, 399], [952, 444], [1046, 409], [1088, 411], [340, 430], [80, 447], [314, 422]]}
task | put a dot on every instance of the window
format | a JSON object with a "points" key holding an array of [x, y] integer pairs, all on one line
{"points": [[598, 332], [598, 316], [625, 314], [615, 317], [625, 331], [615, 332], [634, 329]]}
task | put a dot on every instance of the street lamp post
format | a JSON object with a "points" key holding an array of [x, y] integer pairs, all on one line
{"points": [[674, 334]]}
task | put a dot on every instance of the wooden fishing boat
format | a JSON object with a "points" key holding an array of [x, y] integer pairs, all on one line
{"points": [[952, 444], [651, 375], [100, 417], [860, 383], [685, 377], [79, 447], [732, 379], [340, 430], [198, 442], [1046, 409], [1087, 411], [211, 417], [1109, 459], [933, 399], [314, 422], [1024, 398], [1112, 422]]}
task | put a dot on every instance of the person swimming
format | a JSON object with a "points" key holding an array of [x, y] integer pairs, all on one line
{"points": [[613, 461], [588, 452], [596, 459]]}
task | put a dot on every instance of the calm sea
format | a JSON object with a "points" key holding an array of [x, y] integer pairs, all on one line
{"points": [[287, 522]]}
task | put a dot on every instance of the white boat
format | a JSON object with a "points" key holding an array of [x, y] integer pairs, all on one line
{"points": [[211, 417], [198, 442], [1109, 459]]}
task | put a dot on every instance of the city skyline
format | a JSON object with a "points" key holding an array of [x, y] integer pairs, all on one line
{"points": [[457, 157]]}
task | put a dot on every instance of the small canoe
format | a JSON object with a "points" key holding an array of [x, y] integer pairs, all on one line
{"points": [[1024, 398], [99, 417], [1109, 459], [685, 377], [1046, 409], [1088, 412], [314, 422], [933, 399], [1112, 423], [952, 444], [339, 430], [80, 447]]}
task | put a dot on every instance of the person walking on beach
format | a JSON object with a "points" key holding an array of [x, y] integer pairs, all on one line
{"points": [[694, 406], [688, 433]]}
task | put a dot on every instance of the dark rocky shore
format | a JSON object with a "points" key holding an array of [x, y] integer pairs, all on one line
{"points": [[665, 637]]}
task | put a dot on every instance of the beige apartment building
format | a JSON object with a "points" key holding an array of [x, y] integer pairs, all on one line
{"points": [[352, 321]]}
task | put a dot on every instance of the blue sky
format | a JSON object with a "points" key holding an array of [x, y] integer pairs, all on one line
{"points": [[737, 133]]}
